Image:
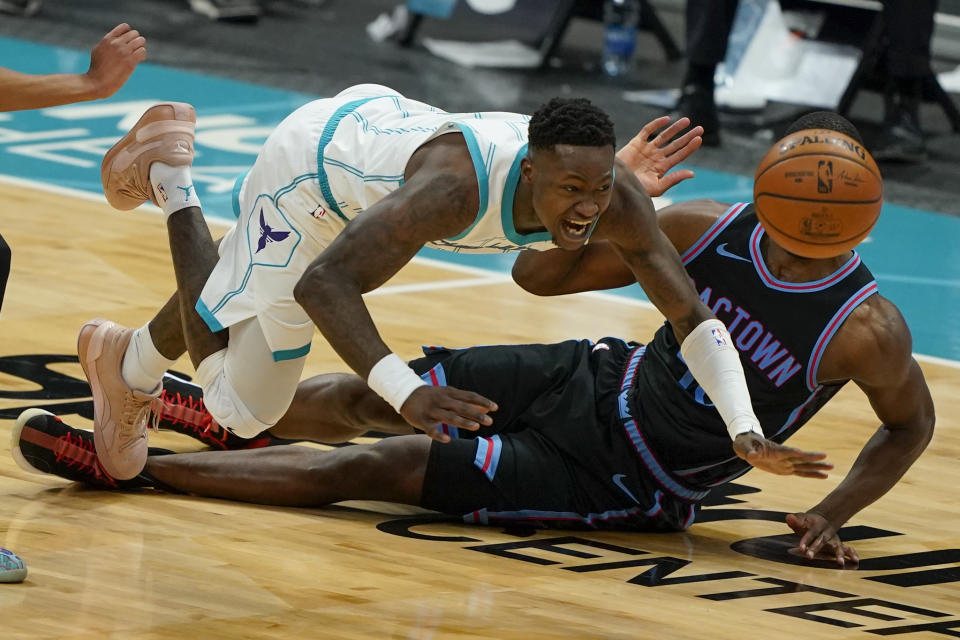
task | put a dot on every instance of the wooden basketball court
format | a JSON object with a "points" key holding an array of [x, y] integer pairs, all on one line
{"points": [[128, 565]]}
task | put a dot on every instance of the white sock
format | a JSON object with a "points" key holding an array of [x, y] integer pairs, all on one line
{"points": [[173, 187], [143, 366]]}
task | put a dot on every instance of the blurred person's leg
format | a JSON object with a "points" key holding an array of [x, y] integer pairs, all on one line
{"points": [[708, 24], [909, 29]]}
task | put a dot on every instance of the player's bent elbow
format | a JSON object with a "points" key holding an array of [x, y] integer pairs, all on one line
{"points": [[529, 282]]}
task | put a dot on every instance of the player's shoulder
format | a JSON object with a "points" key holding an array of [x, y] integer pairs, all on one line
{"points": [[872, 344], [685, 222]]}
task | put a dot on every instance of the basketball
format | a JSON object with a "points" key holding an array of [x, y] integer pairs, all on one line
{"points": [[817, 193]]}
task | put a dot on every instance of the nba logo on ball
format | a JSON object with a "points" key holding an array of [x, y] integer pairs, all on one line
{"points": [[12, 568]]}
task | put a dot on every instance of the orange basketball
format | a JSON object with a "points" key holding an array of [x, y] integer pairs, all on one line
{"points": [[817, 193]]}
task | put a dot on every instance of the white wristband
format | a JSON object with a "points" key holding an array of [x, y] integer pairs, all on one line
{"points": [[393, 380], [713, 360]]}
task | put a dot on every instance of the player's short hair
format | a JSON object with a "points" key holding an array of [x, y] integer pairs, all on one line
{"points": [[574, 121], [825, 120]]}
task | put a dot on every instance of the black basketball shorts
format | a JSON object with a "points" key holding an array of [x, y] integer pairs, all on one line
{"points": [[556, 453]]}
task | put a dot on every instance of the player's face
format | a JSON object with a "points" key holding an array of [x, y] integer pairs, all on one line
{"points": [[571, 187]]}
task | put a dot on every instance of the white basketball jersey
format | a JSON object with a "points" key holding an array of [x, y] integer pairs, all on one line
{"points": [[367, 143]]}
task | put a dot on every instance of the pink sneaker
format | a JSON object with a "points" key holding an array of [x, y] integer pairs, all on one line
{"points": [[164, 133], [120, 414]]}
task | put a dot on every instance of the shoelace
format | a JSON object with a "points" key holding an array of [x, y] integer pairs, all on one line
{"points": [[136, 415], [185, 410], [72, 441]]}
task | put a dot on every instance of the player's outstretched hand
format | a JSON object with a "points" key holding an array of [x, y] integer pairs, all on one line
{"points": [[429, 407], [776, 458], [114, 58], [818, 536], [651, 156]]}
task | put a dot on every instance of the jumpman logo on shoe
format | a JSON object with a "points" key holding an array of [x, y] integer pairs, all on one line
{"points": [[268, 235], [186, 191], [721, 249]]}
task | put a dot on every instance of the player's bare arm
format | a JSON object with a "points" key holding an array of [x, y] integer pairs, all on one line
{"points": [[872, 348], [630, 226], [112, 61], [439, 199]]}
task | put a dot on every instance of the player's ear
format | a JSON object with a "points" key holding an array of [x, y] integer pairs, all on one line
{"points": [[527, 170]]}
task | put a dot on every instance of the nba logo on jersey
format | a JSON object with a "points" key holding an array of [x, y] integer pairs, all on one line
{"points": [[718, 336]]}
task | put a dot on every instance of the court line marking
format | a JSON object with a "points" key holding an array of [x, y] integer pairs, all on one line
{"points": [[483, 276]]}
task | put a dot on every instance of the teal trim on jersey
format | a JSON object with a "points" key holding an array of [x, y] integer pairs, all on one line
{"points": [[252, 263], [235, 196], [208, 317], [483, 178], [326, 137], [291, 354], [506, 207]]}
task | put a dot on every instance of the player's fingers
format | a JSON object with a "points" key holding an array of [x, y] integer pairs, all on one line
{"points": [[671, 132], [814, 547], [678, 143], [691, 144], [809, 456], [803, 465], [117, 30], [851, 554], [671, 179], [795, 522], [461, 421], [838, 551], [472, 398], [438, 435], [127, 37], [651, 127]]}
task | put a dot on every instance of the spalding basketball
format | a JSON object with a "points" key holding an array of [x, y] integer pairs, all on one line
{"points": [[817, 193]]}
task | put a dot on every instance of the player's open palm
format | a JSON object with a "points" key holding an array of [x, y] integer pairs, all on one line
{"points": [[819, 536], [428, 408], [779, 459], [650, 157]]}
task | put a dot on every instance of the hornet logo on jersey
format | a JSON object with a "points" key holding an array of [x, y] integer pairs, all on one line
{"points": [[268, 235]]}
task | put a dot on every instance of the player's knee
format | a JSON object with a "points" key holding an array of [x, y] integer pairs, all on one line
{"points": [[229, 408]]}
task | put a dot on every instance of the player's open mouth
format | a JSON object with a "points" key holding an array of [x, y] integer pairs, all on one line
{"points": [[576, 229]]}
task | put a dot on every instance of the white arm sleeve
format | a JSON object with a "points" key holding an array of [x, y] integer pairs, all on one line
{"points": [[713, 360]]}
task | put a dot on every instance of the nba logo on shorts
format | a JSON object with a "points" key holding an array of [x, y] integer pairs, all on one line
{"points": [[824, 176]]}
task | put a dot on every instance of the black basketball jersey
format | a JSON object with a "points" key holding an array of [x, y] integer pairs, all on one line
{"points": [[781, 330]]}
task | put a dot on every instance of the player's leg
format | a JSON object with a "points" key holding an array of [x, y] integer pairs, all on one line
{"points": [[391, 470], [337, 407], [152, 162]]}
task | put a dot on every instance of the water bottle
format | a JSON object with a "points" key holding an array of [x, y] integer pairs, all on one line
{"points": [[620, 19]]}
